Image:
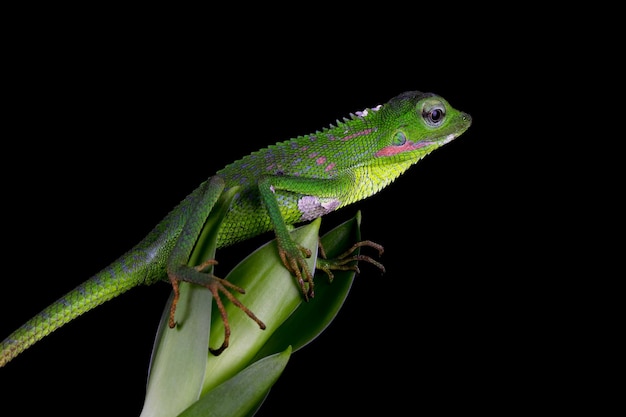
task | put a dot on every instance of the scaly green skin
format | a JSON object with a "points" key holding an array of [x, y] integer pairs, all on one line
{"points": [[286, 183]]}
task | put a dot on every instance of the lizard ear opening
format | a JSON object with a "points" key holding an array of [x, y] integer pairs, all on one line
{"points": [[399, 139]]}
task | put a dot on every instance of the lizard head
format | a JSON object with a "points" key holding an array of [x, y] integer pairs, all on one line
{"points": [[396, 135], [419, 123]]}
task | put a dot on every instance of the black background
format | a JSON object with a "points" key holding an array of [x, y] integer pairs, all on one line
{"points": [[111, 123]]}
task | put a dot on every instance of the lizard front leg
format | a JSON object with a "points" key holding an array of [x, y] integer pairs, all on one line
{"points": [[311, 191]]}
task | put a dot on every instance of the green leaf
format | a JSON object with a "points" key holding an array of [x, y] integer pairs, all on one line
{"points": [[274, 296], [241, 395], [271, 293], [179, 355]]}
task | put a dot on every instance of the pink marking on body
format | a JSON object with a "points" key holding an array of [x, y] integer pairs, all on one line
{"points": [[321, 160], [407, 146], [330, 166], [313, 155], [304, 148], [357, 134]]}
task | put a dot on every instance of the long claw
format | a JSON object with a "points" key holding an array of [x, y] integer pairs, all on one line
{"points": [[300, 269], [341, 262], [218, 287], [360, 244], [172, 320]]}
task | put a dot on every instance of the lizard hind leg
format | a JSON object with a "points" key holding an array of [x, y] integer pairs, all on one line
{"points": [[218, 287], [345, 261]]}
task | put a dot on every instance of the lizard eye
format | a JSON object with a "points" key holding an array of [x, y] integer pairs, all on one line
{"points": [[434, 115], [399, 139]]}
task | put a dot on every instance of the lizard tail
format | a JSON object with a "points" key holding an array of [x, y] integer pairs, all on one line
{"points": [[86, 296]]}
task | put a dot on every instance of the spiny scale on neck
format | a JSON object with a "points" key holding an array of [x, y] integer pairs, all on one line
{"points": [[321, 154]]}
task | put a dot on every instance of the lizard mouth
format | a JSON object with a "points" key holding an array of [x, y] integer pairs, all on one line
{"points": [[409, 146], [440, 142], [436, 142]]}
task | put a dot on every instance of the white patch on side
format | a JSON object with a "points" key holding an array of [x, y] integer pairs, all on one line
{"points": [[313, 207], [272, 189]]}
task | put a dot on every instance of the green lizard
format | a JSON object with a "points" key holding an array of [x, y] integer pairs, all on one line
{"points": [[293, 181]]}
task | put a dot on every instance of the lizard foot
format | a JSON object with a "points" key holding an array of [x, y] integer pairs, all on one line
{"points": [[298, 266], [343, 261], [217, 286]]}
